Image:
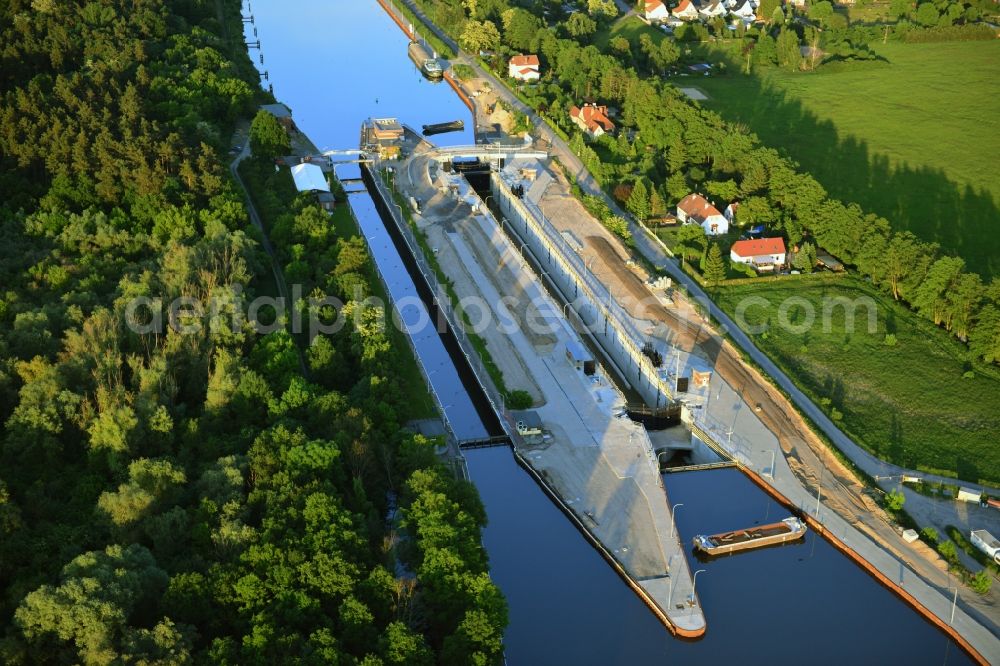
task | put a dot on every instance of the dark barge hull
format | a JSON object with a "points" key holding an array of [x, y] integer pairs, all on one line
{"points": [[441, 128]]}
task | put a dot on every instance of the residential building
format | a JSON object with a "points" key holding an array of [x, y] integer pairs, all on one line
{"points": [[686, 11], [744, 11], [524, 68], [592, 119], [764, 254], [712, 8], [655, 11], [696, 209]]}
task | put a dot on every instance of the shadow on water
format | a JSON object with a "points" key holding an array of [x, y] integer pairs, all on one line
{"points": [[787, 604], [961, 219]]}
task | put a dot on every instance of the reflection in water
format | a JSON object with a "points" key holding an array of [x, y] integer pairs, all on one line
{"points": [[413, 314]]}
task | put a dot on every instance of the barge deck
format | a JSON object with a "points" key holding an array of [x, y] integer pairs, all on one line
{"points": [[788, 529]]}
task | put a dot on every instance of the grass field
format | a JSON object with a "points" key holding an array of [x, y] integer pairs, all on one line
{"points": [[916, 140], [912, 403]]}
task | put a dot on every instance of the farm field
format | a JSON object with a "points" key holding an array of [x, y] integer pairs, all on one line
{"points": [[914, 403], [916, 140]]}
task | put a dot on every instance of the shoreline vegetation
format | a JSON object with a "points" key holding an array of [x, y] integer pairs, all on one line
{"points": [[667, 146], [176, 498]]}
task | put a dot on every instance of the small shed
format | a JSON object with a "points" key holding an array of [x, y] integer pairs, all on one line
{"points": [[909, 536], [326, 201], [987, 543], [283, 114], [828, 262], [580, 357], [969, 495]]}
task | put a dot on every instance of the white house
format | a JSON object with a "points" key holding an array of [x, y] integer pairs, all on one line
{"points": [[969, 495], [686, 11], [987, 543], [655, 11], [744, 10], [764, 254], [309, 178], [711, 9], [592, 119], [696, 209], [524, 68]]}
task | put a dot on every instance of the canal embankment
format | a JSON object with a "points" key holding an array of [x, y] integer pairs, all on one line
{"points": [[567, 605], [470, 370]]}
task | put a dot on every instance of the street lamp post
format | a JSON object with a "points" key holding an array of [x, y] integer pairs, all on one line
{"points": [[954, 602], [658, 464], [694, 584], [819, 490], [771, 468], [672, 510]]}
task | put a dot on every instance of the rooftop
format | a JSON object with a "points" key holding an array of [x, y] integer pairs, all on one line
{"points": [[759, 246], [525, 61], [697, 206], [277, 110], [309, 178]]}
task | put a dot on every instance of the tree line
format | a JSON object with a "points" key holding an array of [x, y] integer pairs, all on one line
{"points": [[673, 147], [177, 498]]}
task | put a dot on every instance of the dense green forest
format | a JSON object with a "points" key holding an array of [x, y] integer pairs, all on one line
{"points": [[672, 146], [171, 496]]}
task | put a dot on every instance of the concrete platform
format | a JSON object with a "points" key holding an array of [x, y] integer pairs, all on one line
{"points": [[600, 466]]}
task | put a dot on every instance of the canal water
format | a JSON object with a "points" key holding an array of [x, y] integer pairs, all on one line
{"points": [[337, 62]]}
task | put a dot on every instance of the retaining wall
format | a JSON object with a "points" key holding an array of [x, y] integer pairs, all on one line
{"points": [[609, 324]]}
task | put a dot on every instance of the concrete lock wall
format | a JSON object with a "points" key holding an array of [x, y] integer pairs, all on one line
{"points": [[593, 303]]}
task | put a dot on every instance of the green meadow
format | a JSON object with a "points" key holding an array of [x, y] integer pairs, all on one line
{"points": [[904, 391], [915, 138]]}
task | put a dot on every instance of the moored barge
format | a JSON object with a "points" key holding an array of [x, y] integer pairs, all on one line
{"points": [[441, 128], [788, 529], [429, 65]]}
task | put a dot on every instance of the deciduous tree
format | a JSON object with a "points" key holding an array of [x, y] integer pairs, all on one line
{"points": [[268, 139]]}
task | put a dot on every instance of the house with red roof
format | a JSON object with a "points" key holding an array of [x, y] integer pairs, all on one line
{"points": [[696, 209], [592, 119], [524, 68], [764, 254], [655, 11], [686, 11]]}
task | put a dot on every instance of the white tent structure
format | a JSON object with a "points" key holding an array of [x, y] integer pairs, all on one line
{"points": [[309, 178]]}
